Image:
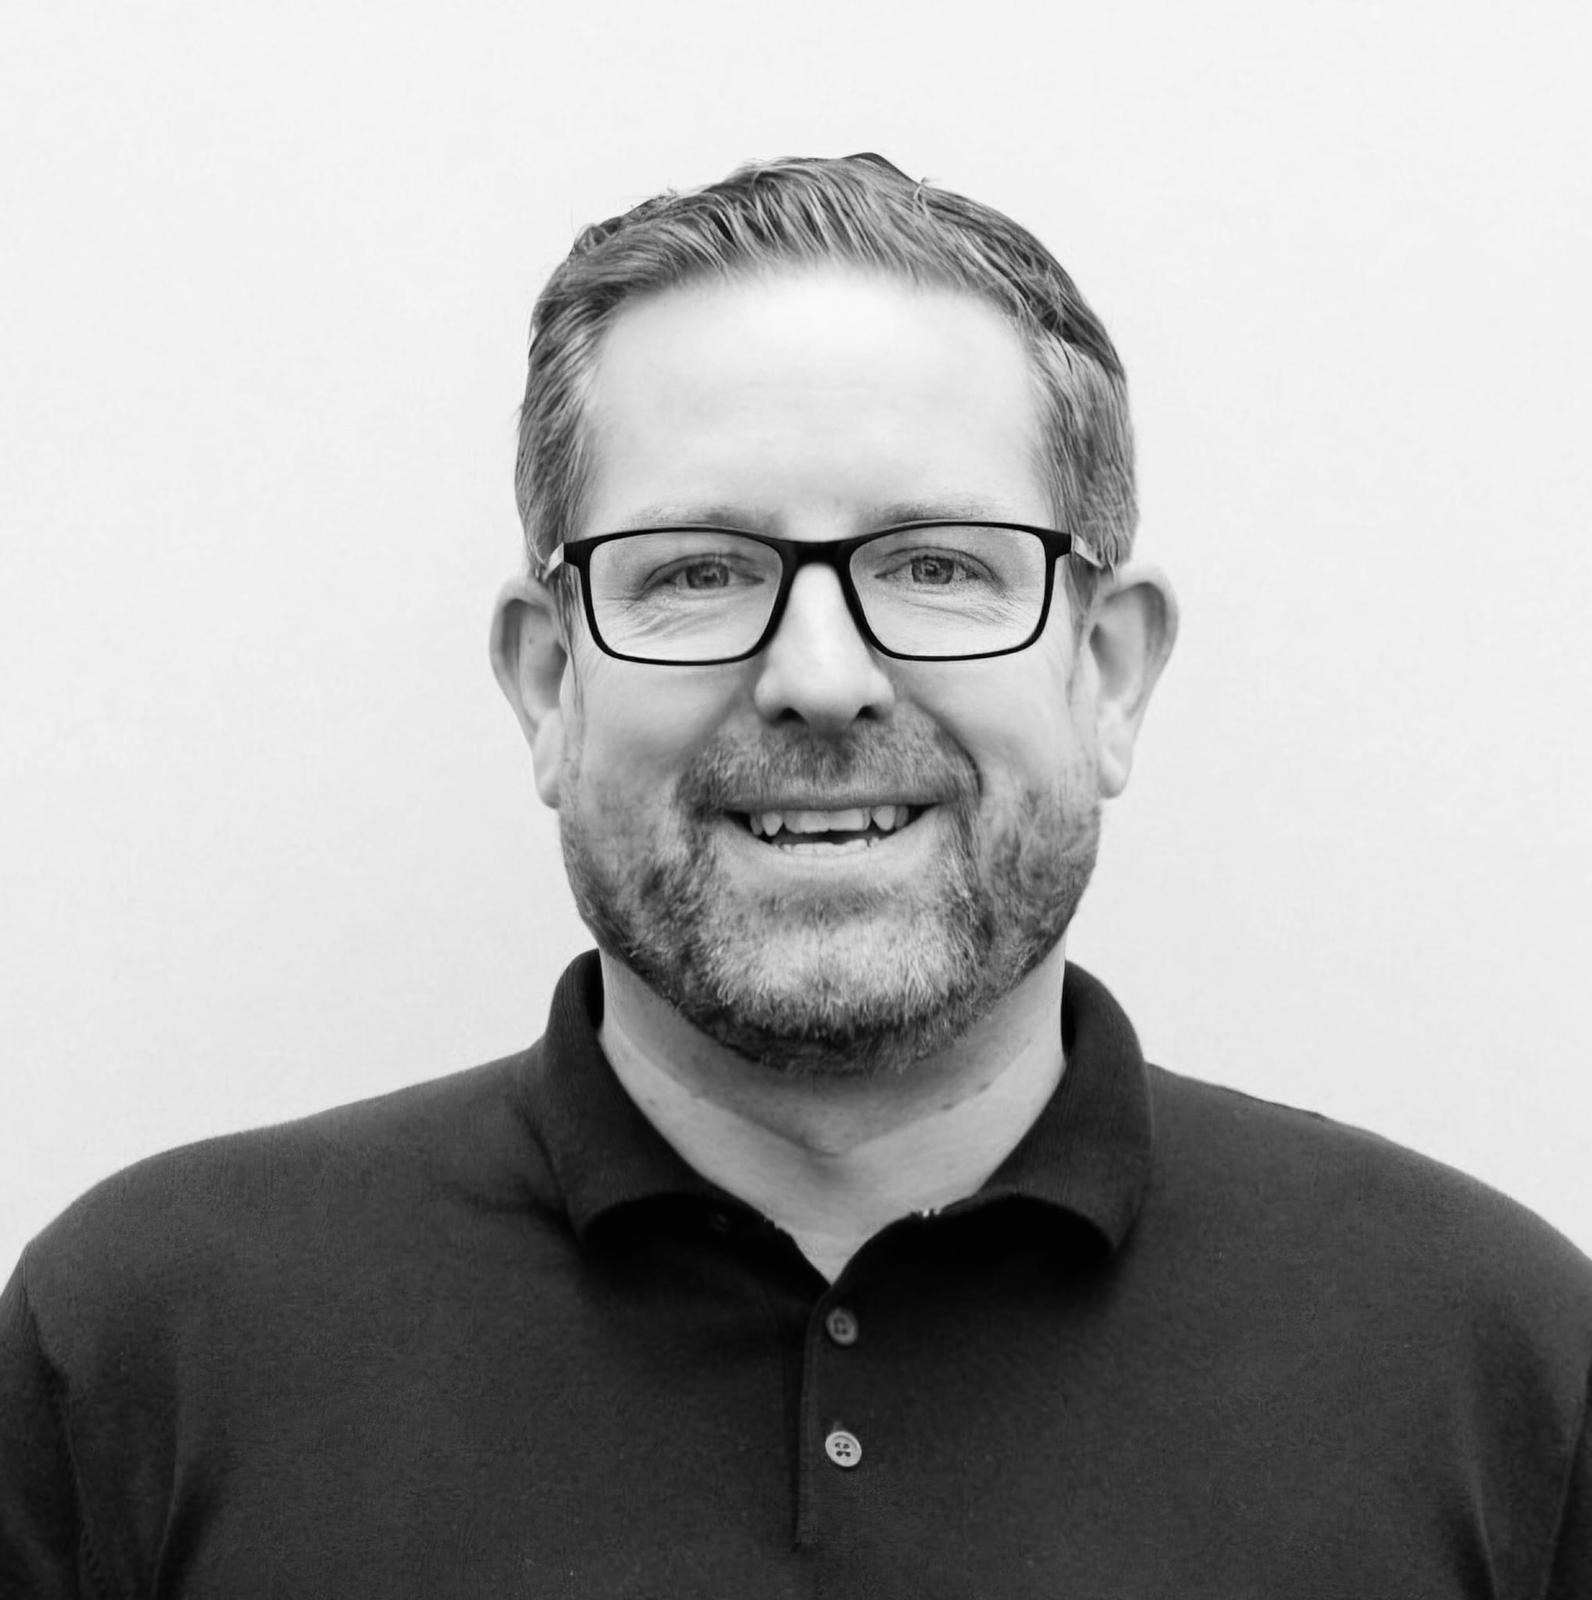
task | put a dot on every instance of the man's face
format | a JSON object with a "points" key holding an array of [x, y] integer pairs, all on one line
{"points": [[816, 405]]}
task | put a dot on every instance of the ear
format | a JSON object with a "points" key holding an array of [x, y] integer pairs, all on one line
{"points": [[1132, 628], [530, 659]]}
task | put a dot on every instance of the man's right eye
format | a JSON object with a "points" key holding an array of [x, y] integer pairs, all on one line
{"points": [[700, 575], [705, 577]]}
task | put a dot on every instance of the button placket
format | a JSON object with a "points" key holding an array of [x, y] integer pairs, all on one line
{"points": [[841, 1445]]}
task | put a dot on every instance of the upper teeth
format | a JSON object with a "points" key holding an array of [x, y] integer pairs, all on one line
{"points": [[855, 820]]}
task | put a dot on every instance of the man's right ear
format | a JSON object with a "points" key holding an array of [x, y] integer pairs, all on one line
{"points": [[530, 659]]}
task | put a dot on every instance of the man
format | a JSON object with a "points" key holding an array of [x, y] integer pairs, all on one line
{"points": [[836, 1237]]}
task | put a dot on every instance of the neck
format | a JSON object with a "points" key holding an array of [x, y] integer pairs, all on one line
{"points": [[833, 1159]]}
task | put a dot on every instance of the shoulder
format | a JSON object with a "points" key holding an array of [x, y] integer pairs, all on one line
{"points": [[284, 1204], [1299, 1191]]}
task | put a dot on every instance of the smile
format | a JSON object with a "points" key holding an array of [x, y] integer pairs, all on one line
{"points": [[856, 827]]}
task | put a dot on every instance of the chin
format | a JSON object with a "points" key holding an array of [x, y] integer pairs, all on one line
{"points": [[868, 997], [858, 998]]}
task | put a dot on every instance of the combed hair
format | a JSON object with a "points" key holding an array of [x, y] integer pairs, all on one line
{"points": [[854, 210]]}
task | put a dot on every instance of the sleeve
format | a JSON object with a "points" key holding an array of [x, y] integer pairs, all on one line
{"points": [[1572, 1562], [39, 1544]]}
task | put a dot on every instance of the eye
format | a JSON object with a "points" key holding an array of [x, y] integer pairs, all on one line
{"points": [[705, 576], [936, 571], [702, 575], [930, 569]]}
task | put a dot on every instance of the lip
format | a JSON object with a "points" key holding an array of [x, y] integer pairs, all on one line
{"points": [[748, 819], [895, 858], [847, 801]]}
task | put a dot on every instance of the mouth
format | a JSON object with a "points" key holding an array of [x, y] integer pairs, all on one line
{"points": [[810, 831]]}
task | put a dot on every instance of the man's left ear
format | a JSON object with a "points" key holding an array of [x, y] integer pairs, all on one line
{"points": [[1133, 625]]}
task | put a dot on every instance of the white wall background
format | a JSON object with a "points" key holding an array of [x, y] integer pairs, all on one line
{"points": [[270, 840]]}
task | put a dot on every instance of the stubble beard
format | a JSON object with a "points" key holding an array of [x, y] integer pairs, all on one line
{"points": [[857, 982]]}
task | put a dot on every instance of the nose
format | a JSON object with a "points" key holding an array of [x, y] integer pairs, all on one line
{"points": [[817, 667]]}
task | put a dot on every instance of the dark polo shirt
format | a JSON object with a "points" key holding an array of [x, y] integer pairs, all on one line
{"points": [[488, 1336]]}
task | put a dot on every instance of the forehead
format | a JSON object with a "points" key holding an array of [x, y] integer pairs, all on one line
{"points": [[811, 394]]}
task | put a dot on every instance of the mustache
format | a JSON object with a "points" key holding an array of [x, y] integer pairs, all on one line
{"points": [[914, 760]]}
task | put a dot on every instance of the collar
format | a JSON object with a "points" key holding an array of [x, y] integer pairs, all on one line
{"points": [[1087, 1154]]}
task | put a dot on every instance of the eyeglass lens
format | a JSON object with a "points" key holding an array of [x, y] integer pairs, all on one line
{"points": [[699, 594]]}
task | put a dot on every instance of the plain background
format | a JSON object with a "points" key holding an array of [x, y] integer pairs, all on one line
{"points": [[270, 840]]}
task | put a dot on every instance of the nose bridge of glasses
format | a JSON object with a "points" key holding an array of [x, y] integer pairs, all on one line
{"points": [[842, 592], [818, 621], [819, 552], [836, 555]]}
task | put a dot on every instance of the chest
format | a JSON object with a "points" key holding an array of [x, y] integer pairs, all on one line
{"points": [[701, 1416]]}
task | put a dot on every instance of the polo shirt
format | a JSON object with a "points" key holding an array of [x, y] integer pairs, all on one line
{"points": [[490, 1336]]}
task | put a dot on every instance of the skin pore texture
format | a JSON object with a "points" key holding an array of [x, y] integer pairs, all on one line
{"points": [[839, 1033]]}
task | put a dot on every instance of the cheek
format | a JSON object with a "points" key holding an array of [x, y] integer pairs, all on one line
{"points": [[640, 726], [1039, 757], [1020, 724]]}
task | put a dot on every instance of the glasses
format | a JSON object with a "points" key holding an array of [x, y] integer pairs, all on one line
{"points": [[921, 591]]}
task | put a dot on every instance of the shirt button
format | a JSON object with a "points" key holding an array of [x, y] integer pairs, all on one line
{"points": [[841, 1326], [719, 1221], [843, 1448]]}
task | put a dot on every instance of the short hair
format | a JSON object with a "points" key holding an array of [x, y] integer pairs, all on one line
{"points": [[854, 210]]}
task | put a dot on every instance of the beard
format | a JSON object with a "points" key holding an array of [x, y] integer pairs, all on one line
{"points": [[854, 980]]}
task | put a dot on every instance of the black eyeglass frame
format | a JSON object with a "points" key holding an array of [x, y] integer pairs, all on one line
{"points": [[794, 554]]}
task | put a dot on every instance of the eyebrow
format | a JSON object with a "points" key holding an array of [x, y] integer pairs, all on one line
{"points": [[948, 509]]}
